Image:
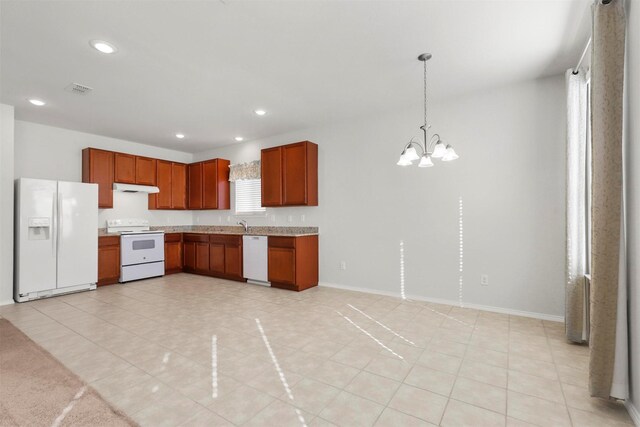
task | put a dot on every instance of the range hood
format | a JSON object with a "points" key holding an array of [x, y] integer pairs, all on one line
{"points": [[130, 188]]}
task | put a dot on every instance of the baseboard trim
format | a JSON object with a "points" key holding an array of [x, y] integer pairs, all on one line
{"points": [[534, 315], [7, 302], [634, 413]]}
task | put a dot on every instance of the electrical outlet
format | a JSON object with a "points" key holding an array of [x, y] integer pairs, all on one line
{"points": [[484, 279], [343, 265], [302, 218], [229, 219], [290, 218], [273, 217]]}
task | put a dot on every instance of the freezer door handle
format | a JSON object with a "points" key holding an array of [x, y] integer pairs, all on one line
{"points": [[54, 240], [59, 221]]}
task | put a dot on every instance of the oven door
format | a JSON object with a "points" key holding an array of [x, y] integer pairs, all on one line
{"points": [[141, 248]]}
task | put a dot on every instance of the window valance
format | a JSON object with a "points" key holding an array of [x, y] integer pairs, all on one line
{"points": [[244, 171]]}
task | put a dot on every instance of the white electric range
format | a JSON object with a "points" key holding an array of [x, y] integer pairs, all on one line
{"points": [[141, 250]]}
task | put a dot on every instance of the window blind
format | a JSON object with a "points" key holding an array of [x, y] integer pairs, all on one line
{"points": [[248, 196]]}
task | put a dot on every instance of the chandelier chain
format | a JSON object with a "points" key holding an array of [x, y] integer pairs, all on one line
{"points": [[425, 94]]}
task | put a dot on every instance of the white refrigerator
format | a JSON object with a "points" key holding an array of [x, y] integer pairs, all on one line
{"points": [[56, 238]]}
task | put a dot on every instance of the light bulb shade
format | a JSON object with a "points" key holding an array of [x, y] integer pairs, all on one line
{"points": [[411, 154], [450, 154], [425, 162], [439, 150], [403, 161]]}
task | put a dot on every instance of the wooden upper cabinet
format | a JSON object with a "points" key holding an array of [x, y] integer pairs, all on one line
{"points": [[145, 171], [163, 182], [215, 184], [209, 185], [195, 186], [271, 175], [97, 167], [178, 186], [125, 168], [290, 175]]}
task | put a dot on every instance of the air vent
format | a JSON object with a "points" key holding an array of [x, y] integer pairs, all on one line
{"points": [[77, 88]]}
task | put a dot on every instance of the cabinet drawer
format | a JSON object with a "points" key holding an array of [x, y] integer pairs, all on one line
{"points": [[108, 241], [188, 237], [227, 239], [173, 237], [282, 242]]}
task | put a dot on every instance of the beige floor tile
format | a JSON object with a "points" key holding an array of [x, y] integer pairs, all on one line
{"points": [[355, 356], [373, 387], [589, 419], [480, 394], [350, 410], [301, 362], [487, 356], [392, 418], [419, 403], [440, 362], [579, 398], [334, 374], [169, 411], [484, 373], [279, 414], [240, 404], [535, 386], [459, 414], [533, 367], [536, 411], [430, 379], [270, 382], [390, 367], [445, 346], [206, 418], [311, 395]]}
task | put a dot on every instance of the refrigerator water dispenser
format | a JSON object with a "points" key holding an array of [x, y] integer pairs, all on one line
{"points": [[39, 228]]}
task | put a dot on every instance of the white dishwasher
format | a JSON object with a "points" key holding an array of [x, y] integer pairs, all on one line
{"points": [[255, 259]]}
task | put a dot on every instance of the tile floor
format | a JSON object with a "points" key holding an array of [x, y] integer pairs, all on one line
{"points": [[187, 350]]}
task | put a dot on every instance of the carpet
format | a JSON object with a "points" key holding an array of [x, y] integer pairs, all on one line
{"points": [[37, 390]]}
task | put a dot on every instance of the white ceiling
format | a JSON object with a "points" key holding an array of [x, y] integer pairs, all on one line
{"points": [[202, 67]]}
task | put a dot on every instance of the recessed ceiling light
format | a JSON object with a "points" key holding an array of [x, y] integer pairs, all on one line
{"points": [[179, 135], [36, 101], [239, 138], [260, 112], [103, 46]]}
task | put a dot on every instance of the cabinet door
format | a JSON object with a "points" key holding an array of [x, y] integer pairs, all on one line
{"points": [[108, 264], [189, 255], [202, 256], [125, 168], [271, 170], [233, 260], [145, 171], [282, 265], [210, 184], [294, 174], [195, 186], [97, 167], [178, 186], [163, 181], [216, 258], [172, 256]]}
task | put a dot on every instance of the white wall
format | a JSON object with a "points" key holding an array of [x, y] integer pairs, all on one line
{"points": [[633, 196], [6, 202], [54, 153], [510, 177]]}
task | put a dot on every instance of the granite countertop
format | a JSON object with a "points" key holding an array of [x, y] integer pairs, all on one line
{"points": [[230, 229]]}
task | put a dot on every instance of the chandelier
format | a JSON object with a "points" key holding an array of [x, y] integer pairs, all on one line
{"points": [[426, 149]]}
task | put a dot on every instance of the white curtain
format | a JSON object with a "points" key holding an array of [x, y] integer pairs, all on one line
{"points": [[576, 204]]}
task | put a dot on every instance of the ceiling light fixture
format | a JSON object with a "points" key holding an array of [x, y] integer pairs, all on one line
{"points": [[179, 135], [429, 148], [37, 102], [239, 138], [103, 46], [260, 112]]}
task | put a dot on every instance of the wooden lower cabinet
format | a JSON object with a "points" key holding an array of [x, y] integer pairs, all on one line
{"points": [[172, 253], [108, 260], [225, 256], [293, 262], [216, 258]]}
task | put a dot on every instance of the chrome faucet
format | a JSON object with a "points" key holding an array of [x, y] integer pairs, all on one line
{"points": [[244, 224]]}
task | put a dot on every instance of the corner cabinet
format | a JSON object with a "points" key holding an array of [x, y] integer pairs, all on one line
{"points": [[290, 175], [217, 255], [209, 185], [108, 260], [98, 168], [293, 262]]}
